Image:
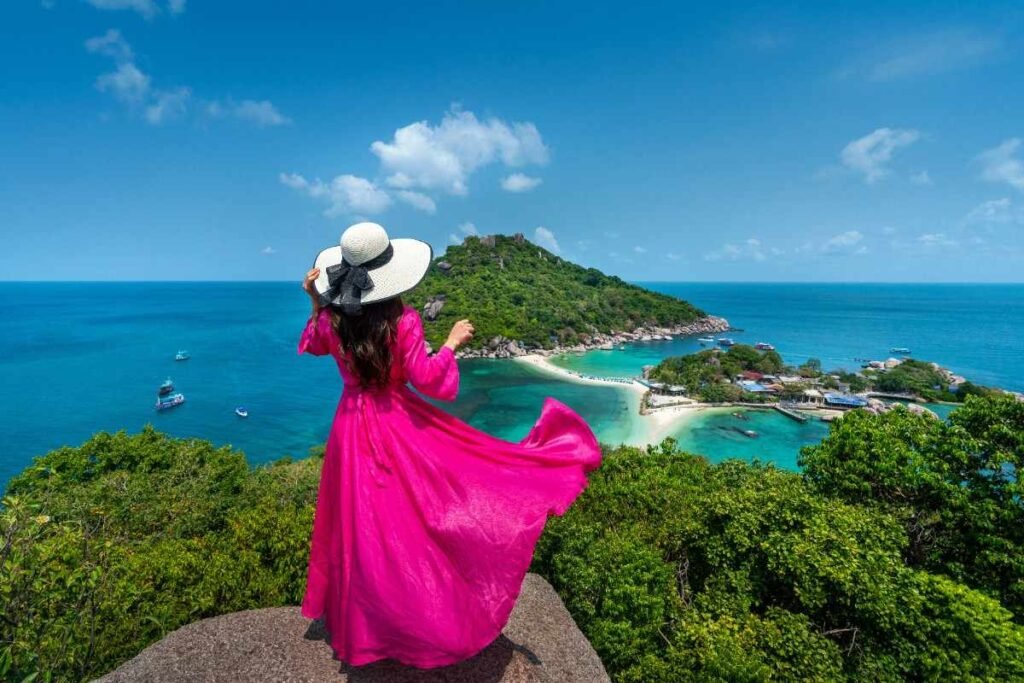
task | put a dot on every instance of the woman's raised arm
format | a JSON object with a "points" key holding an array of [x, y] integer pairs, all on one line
{"points": [[436, 376]]}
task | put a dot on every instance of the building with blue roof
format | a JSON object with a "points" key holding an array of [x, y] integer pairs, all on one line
{"points": [[835, 400]]}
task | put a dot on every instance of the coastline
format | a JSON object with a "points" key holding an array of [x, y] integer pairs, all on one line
{"points": [[502, 347], [651, 425]]}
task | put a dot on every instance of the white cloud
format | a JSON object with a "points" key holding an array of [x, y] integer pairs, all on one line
{"points": [[127, 83], [1001, 165], [995, 211], [467, 229], [111, 44], [843, 241], [672, 256], [147, 8], [130, 85], [268, 250], [639, 250], [345, 194], [750, 249], [546, 239], [871, 154], [926, 54], [921, 178], [262, 113], [519, 182], [443, 157], [167, 104], [418, 201], [936, 239]]}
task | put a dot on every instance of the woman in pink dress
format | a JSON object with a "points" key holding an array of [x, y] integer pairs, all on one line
{"points": [[424, 526]]}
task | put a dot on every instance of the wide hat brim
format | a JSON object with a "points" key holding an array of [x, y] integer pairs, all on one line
{"points": [[408, 266]]}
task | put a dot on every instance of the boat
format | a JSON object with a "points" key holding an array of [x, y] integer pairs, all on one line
{"points": [[706, 340], [902, 350], [749, 433], [172, 401], [764, 346], [166, 388], [726, 341], [242, 411], [182, 355], [740, 416]]}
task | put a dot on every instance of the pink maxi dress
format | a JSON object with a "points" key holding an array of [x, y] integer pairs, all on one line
{"points": [[425, 526]]}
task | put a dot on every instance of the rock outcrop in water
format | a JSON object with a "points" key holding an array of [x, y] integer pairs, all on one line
{"points": [[540, 644]]}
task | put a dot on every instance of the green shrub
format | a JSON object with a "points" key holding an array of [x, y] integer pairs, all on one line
{"points": [[111, 545]]}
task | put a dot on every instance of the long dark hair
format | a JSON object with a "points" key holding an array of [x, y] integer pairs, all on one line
{"points": [[366, 339]]}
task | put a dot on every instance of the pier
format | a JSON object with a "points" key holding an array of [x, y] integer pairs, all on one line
{"points": [[790, 413]]}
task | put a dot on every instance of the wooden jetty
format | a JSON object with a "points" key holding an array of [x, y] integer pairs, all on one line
{"points": [[791, 413]]}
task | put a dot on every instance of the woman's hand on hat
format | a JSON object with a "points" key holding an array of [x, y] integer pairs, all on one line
{"points": [[307, 284], [461, 333]]}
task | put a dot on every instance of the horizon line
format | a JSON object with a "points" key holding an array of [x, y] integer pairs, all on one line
{"points": [[694, 282]]}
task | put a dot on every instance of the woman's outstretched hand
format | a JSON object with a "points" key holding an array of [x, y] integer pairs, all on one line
{"points": [[461, 333], [307, 284]]}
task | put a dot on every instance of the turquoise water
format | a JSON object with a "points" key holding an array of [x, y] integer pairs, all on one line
{"points": [[973, 329], [78, 358]]}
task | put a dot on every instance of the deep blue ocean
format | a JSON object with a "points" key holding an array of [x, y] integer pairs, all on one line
{"points": [[76, 358]]}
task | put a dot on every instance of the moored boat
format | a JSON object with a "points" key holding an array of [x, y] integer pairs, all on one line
{"points": [[174, 400], [242, 411], [166, 388], [706, 340], [764, 346], [182, 355], [726, 341], [902, 350]]}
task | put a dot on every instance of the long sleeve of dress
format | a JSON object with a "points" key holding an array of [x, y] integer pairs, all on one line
{"points": [[436, 376], [319, 336]]}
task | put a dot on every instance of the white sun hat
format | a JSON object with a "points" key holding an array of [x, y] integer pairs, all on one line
{"points": [[368, 267]]}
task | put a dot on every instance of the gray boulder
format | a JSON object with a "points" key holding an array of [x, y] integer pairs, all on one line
{"points": [[433, 307], [540, 644]]}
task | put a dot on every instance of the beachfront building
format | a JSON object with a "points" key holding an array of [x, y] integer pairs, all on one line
{"points": [[844, 401], [753, 387], [664, 389], [813, 397]]}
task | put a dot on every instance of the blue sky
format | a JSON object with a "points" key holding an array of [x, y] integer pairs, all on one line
{"points": [[190, 139]]}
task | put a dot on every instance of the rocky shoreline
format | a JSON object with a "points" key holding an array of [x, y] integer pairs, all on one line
{"points": [[501, 347]]}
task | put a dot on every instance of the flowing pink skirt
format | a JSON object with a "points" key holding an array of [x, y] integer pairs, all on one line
{"points": [[425, 526]]}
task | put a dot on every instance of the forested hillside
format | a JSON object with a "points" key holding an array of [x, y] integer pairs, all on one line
{"points": [[510, 287]]}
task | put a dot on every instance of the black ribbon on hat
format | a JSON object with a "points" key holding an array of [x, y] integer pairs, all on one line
{"points": [[346, 282]]}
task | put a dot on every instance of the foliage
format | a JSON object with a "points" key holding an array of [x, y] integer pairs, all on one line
{"points": [[887, 560], [706, 373], [913, 377], [681, 570], [510, 287], [855, 381], [955, 487], [109, 546]]}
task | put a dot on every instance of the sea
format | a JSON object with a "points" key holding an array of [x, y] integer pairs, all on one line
{"points": [[77, 358]]}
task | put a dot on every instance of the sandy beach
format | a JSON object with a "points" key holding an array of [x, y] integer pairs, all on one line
{"points": [[652, 426]]}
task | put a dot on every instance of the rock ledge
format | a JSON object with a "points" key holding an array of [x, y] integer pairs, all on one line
{"points": [[540, 644]]}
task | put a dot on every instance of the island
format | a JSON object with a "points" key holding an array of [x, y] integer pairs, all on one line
{"points": [[522, 298]]}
